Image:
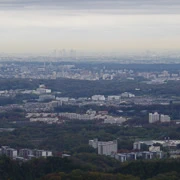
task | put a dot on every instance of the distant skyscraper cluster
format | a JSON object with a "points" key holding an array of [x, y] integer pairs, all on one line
{"points": [[64, 53]]}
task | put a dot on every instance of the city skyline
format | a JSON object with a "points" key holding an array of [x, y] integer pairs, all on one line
{"points": [[98, 26]]}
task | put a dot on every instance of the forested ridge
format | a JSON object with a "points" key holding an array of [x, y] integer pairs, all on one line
{"points": [[73, 136], [85, 88], [56, 168]]}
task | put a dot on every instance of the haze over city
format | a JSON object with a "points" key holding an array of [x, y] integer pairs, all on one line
{"points": [[91, 26], [90, 89]]}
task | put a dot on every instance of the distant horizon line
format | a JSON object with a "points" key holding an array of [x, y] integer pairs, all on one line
{"points": [[93, 53]]}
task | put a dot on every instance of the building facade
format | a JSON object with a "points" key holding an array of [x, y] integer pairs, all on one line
{"points": [[104, 148]]}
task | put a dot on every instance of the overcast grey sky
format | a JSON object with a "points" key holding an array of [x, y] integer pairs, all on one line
{"points": [[35, 26]]}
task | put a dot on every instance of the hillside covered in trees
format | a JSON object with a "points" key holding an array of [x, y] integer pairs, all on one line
{"points": [[56, 168]]}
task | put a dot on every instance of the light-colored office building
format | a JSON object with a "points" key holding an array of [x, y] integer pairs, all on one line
{"points": [[104, 148], [107, 148], [154, 117], [164, 118], [158, 118]]}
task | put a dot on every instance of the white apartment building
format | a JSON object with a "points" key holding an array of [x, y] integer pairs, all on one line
{"points": [[113, 120], [77, 116], [42, 153], [127, 95], [10, 152], [158, 118], [48, 120], [154, 117], [39, 153], [62, 99], [107, 148], [121, 157], [104, 148], [98, 98], [25, 153], [48, 153], [164, 118]]}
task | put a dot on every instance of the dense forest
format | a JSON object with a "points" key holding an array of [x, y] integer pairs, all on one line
{"points": [[73, 136], [84, 88], [88, 167]]}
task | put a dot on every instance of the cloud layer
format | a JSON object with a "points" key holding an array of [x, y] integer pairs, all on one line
{"points": [[113, 6], [96, 25]]}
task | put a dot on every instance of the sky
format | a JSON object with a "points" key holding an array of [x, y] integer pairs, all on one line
{"points": [[40, 26]]}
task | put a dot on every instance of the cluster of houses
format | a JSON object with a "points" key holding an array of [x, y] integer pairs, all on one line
{"points": [[23, 154], [112, 97], [58, 118], [110, 148]]}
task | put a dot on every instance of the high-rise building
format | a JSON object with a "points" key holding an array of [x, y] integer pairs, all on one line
{"points": [[104, 148], [154, 117], [158, 118], [107, 148]]}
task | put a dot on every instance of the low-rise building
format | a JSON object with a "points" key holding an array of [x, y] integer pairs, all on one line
{"points": [[98, 98], [10, 152], [164, 118], [127, 95], [94, 143], [132, 156], [47, 120], [114, 120], [46, 97], [121, 157], [113, 98], [165, 143], [25, 153], [41, 153]]}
